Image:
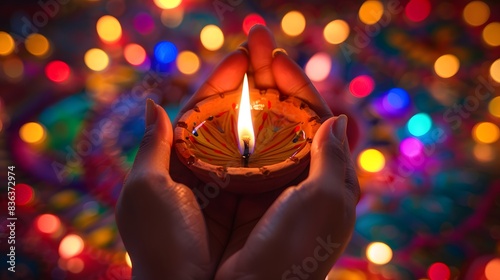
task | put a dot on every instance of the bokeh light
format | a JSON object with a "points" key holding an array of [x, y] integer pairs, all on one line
{"points": [[490, 34], [70, 246], [361, 86], [495, 70], [165, 52], [446, 66], [211, 37], [438, 271], [417, 10], [57, 71], [371, 12], [173, 17], [75, 265], [336, 31], [395, 101], [492, 269], [24, 194], [250, 20], [32, 133], [419, 124], [128, 260], [13, 67], [476, 13], [411, 147], [37, 44], [485, 132], [379, 253], [371, 160], [167, 4], [188, 62], [7, 44], [494, 107], [109, 29], [48, 223], [483, 152], [319, 66], [144, 23], [293, 23], [134, 54], [96, 59]]}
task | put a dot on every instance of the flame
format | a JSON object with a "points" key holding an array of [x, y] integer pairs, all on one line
{"points": [[245, 125]]}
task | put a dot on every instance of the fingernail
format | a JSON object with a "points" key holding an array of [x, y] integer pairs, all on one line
{"points": [[150, 112], [279, 50], [339, 127], [243, 49]]}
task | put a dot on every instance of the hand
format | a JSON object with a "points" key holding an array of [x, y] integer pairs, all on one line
{"points": [[295, 232]]}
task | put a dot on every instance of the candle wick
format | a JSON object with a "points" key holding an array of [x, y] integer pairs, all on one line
{"points": [[246, 152]]}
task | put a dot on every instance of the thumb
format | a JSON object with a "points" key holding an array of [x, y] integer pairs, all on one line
{"points": [[154, 150], [328, 155]]}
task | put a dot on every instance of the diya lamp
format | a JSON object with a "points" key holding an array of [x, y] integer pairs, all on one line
{"points": [[258, 140]]}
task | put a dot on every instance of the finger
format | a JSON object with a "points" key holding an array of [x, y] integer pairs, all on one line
{"points": [[291, 80], [261, 45], [154, 150], [227, 76]]}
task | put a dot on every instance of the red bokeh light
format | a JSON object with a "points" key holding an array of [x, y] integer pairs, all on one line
{"points": [[24, 194], [418, 10], [57, 71], [361, 86], [439, 271], [48, 223], [251, 20]]}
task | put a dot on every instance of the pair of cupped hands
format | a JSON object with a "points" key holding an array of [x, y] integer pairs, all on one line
{"points": [[297, 231]]}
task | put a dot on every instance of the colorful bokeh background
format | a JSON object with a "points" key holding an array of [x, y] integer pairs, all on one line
{"points": [[419, 80]]}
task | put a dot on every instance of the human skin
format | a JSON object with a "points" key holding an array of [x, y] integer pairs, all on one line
{"points": [[295, 232]]}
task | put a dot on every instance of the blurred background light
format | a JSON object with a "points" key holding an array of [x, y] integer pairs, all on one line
{"points": [[371, 12], [411, 147], [476, 13], [144, 23], [419, 124], [172, 18], [75, 265], [492, 269], [495, 70], [319, 66], [371, 160], [96, 59], [24, 194], [293, 23], [446, 66], [37, 44], [165, 52], [336, 31], [395, 101], [361, 86], [188, 62], [167, 4], [211, 37], [483, 152], [32, 133], [48, 223], [70, 246], [134, 54], [57, 71], [250, 20], [109, 29], [485, 132], [490, 34], [494, 107], [438, 271], [7, 44], [417, 10], [379, 253], [13, 67]]}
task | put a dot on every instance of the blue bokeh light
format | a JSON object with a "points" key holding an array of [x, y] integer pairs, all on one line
{"points": [[165, 52], [396, 100]]}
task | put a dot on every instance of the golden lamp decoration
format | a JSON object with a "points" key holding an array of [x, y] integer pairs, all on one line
{"points": [[257, 139]]}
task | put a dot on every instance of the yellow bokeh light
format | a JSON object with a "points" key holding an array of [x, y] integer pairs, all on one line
{"points": [[187, 62], [379, 253], [7, 44], [109, 29], [476, 13], [495, 70], [13, 67], [172, 18], [485, 132], [494, 107], [32, 132], [336, 31], [371, 11], [490, 34], [446, 66], [212, 37], [96, 59], [167, 4], [128, 260], [483, 152], [70, 246], [37, 44], [371, 160], [293, 23]]}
